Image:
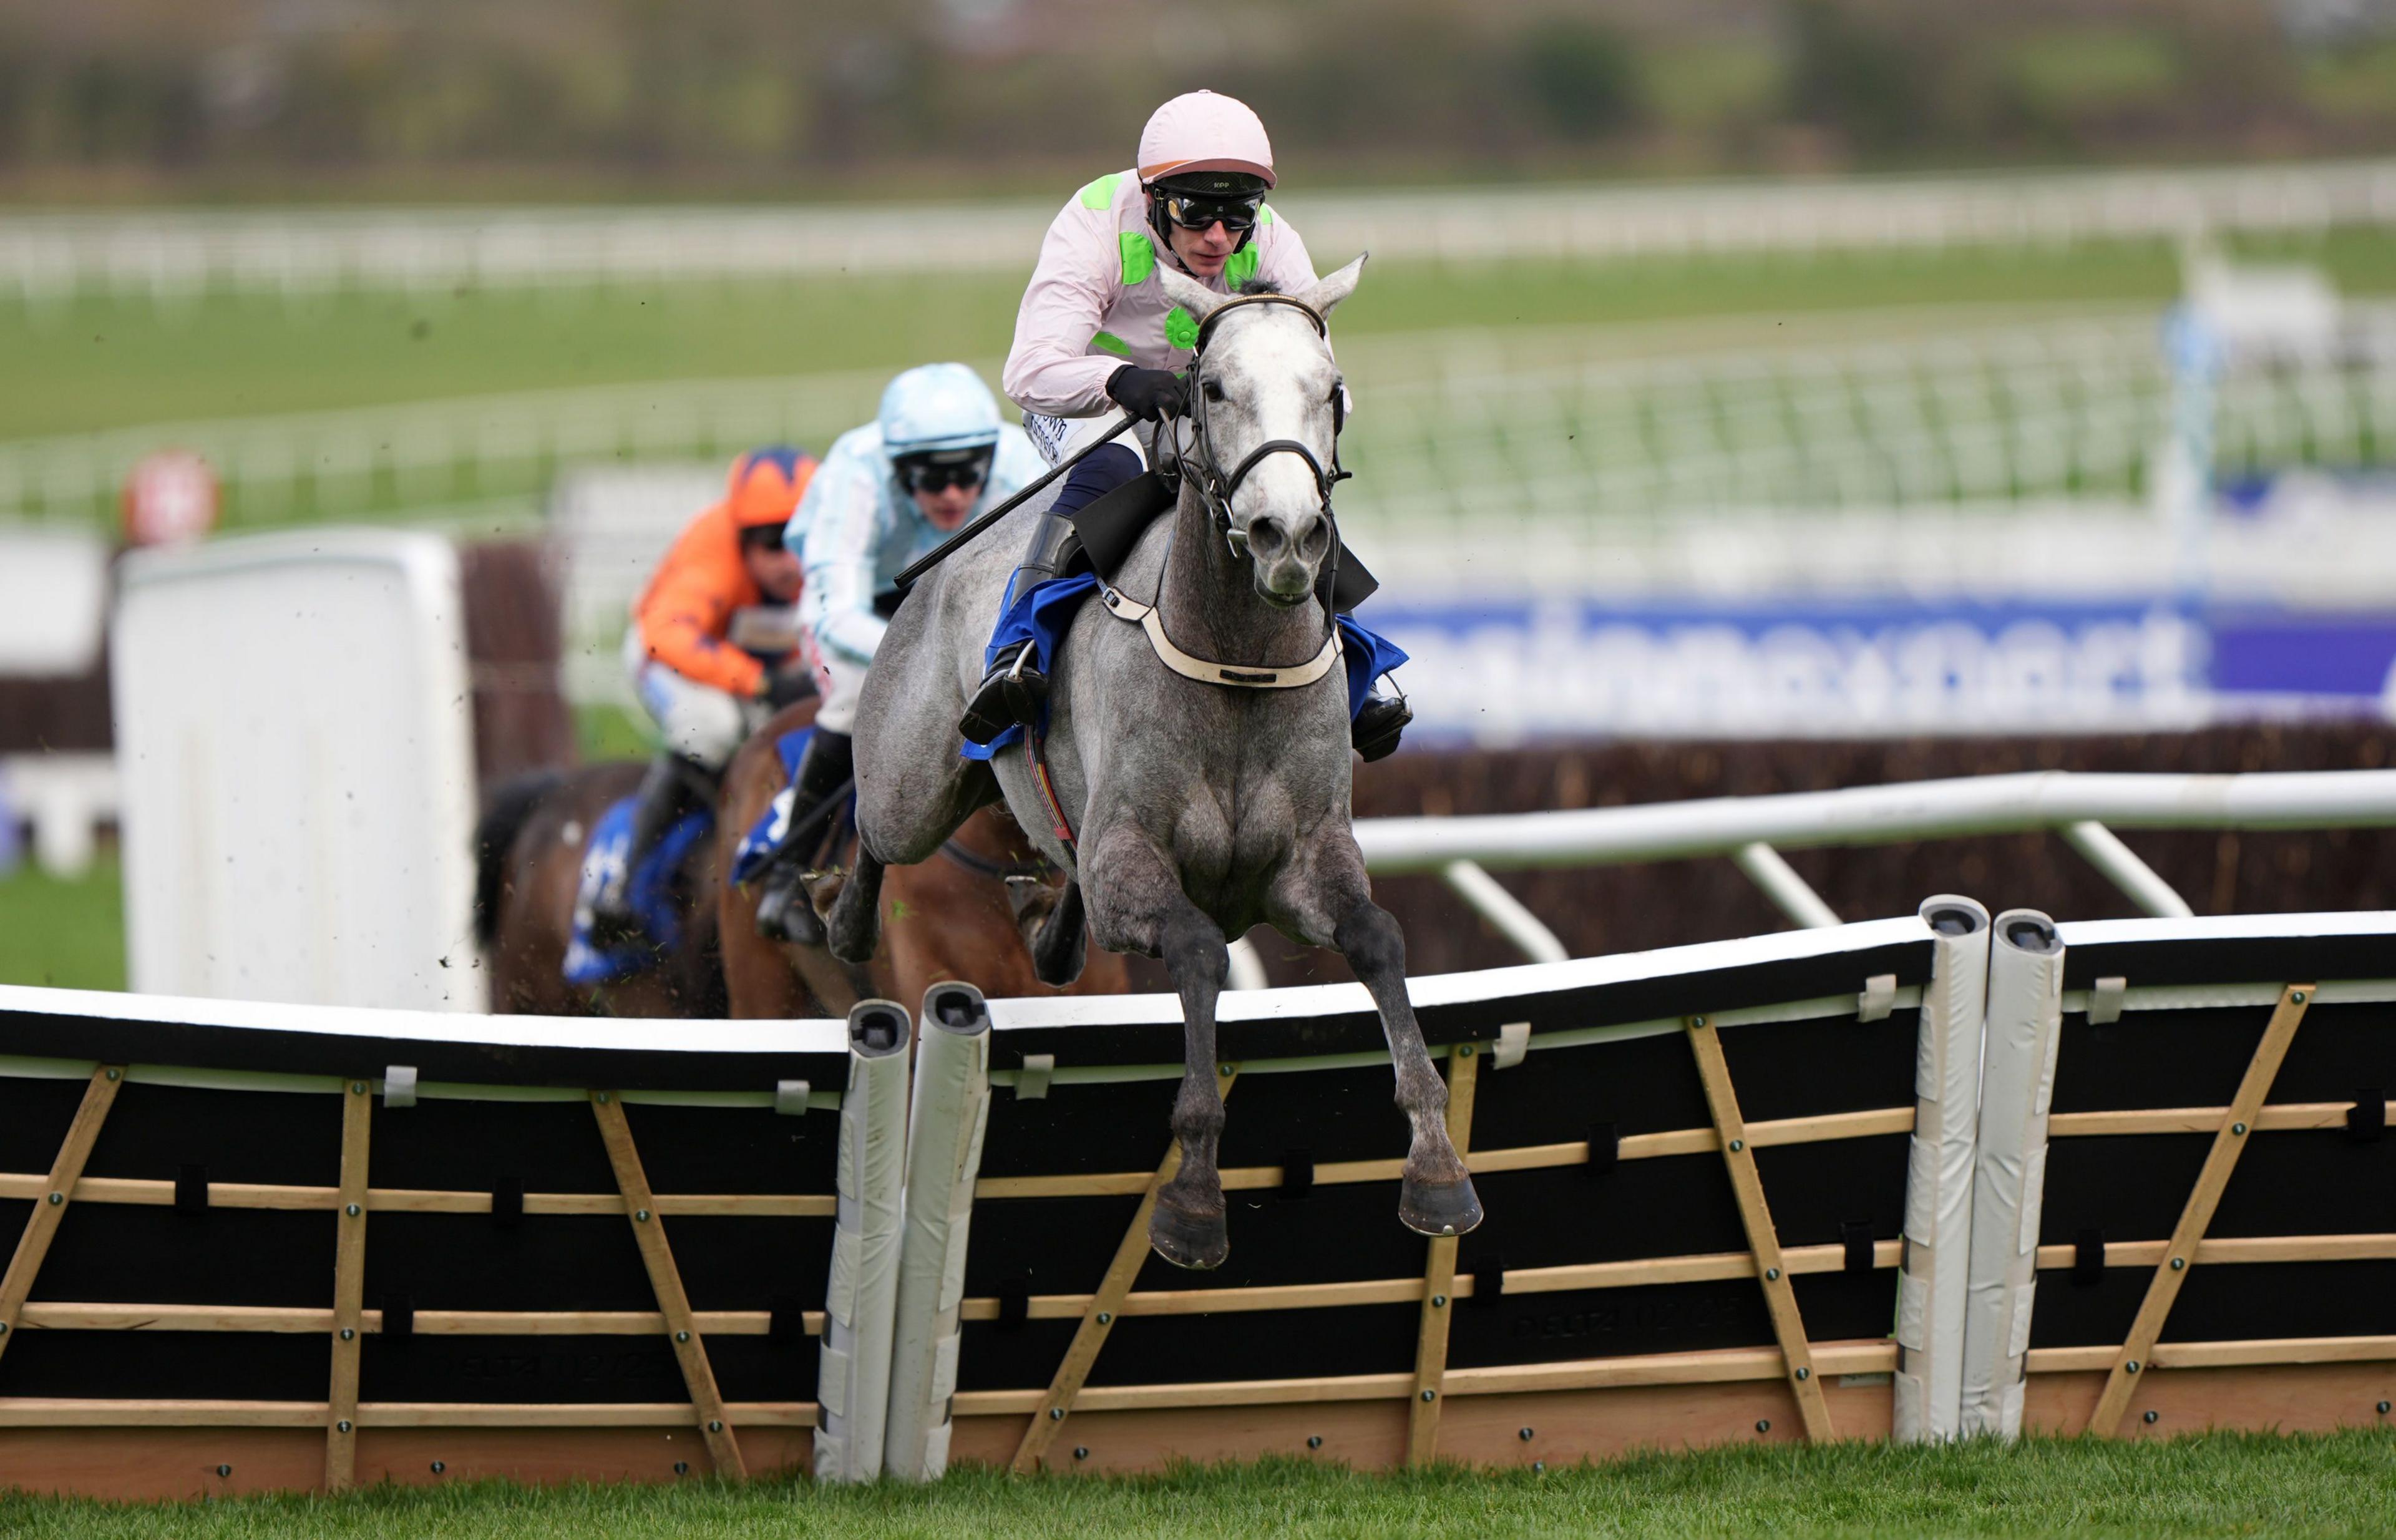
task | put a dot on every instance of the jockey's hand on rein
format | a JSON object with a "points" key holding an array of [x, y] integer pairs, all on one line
{"points": [[1148, 394], [786, 686]]}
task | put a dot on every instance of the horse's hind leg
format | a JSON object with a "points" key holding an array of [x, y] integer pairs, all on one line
{"points": [[1054, 932], [1437, 1196], [854, 927]]}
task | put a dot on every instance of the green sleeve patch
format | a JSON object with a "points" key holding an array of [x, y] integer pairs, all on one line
{"points": [[1264, 213], [1138, 258], [1101, 193], [1110, 342], [1240, 267], [1180, 329]]}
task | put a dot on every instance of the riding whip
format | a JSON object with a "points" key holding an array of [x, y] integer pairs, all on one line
{"points": [[964, 537]]}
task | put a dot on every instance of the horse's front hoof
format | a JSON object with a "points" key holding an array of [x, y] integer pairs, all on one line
{"points": [[1187, 1240], [1438, 1208]]}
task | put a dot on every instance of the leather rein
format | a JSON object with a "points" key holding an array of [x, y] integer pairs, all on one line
{"points": [[1216, 490]]}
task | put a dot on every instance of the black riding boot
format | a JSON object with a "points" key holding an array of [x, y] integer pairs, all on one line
{"points": [[1013, 689], [784, 912], [1378, 724], [674, 786]]}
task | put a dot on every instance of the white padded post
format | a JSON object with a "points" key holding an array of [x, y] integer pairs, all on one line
{"points": [[944, 1130], [1931, 1278], [2025, 1025], [853, 1381]]}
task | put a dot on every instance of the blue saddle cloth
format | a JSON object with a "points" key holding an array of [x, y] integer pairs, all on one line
{"points": [[1042, 614], [765, 835], [653, 900]]}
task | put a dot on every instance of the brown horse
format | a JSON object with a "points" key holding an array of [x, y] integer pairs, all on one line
{"points": [[529, 862], [965, 915]]}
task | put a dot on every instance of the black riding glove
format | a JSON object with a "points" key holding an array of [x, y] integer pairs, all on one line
{"points": [[787, 685], [1147, 394]]}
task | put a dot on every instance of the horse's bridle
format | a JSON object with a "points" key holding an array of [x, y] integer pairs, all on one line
{"points": [[1215, 489]]}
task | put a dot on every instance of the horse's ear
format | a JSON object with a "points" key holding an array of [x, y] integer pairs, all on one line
{"points": [[1330, 290], [1188, 292]]}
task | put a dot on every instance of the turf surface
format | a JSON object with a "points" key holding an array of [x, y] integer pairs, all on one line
{"points": [[2340, 1485], [69, 934]]}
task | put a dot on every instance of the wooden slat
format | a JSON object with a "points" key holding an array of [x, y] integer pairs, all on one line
{"points": [[665, 1278], [262, 1195], [2256, 1248], [2200, 1120], [1439, 1279], [63, 1317], [349, 1291], [1057, 1402], [1700, 1267], [1634, 1147], [61, 1412], [1713, 1366], [51, 1199], [2223, 1354], [1771, 1271], [2230, 1138]]}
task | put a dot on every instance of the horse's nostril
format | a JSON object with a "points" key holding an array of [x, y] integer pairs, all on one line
{"points": [[1266, 536]]}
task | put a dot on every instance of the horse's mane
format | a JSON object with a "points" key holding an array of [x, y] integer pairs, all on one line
{"points": [[1259, 284]]}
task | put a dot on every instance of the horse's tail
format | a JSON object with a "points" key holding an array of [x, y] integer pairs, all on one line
{"points": [[507, 807]]}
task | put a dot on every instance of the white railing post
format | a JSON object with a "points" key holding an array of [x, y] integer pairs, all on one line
{"points": [[2104, 850], [853, 1374], [1931, 1281], [1492, 902], [2016, 1082], [944, 1129], [1791, 893]]}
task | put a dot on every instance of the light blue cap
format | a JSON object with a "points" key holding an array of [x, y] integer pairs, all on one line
{"points": [[938, 406]]}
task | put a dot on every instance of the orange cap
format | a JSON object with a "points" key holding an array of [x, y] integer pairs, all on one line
{"points": [[765, 486]]}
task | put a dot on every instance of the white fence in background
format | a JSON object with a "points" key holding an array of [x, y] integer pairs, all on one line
{"points": [[45, 256], [1453, 428], [2082, 807]]}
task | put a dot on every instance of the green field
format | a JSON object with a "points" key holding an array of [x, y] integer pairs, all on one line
{"points": [[105, 362], [69, 935], [2342, 1485]]}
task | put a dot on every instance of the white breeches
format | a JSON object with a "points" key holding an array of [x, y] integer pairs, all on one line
{"points": [[1058, 437], [838, 683], [699, 722]]}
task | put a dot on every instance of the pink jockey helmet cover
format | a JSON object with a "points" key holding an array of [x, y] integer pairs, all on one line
{"points": [[1201, 131]]}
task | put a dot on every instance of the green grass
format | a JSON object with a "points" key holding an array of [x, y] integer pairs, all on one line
{"points": [[2340, 1485], [69, 935], [113, 362]]}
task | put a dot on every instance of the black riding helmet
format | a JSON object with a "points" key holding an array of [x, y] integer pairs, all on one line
{"points": [[1196, 199]]}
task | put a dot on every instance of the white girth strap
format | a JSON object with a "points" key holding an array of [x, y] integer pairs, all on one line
{"points": [[1124, 607]]}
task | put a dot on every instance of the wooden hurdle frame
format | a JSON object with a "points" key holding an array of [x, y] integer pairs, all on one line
{"points": [[165, 1447]]}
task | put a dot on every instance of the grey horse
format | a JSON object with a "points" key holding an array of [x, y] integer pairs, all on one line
{"points": [[1191, 810]]}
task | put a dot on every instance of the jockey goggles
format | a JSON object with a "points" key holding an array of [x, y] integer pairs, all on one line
{"points": [[1203, 210], [940, 471]]}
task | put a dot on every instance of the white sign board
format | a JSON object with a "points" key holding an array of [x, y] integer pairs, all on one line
{"points": [[294, 736]]}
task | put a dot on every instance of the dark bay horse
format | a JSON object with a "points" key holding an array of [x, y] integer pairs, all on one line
{"points": [[964, 913], [528, 851]]}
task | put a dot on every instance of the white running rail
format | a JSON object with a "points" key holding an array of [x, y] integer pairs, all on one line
{"points": [[44, 257], [2084, 807]]}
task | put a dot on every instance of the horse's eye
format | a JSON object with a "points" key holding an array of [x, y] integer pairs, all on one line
{"points": [[1214, 391]]}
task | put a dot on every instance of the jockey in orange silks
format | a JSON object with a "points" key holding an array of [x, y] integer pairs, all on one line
{"points": [[712, 651], [1093, 336]]}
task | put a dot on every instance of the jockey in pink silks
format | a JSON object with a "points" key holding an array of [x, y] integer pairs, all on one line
{"points": [[1093, 336]]}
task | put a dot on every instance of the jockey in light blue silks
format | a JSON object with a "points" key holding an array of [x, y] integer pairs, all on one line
{"points": [[885, 495], [1094, 335]]}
